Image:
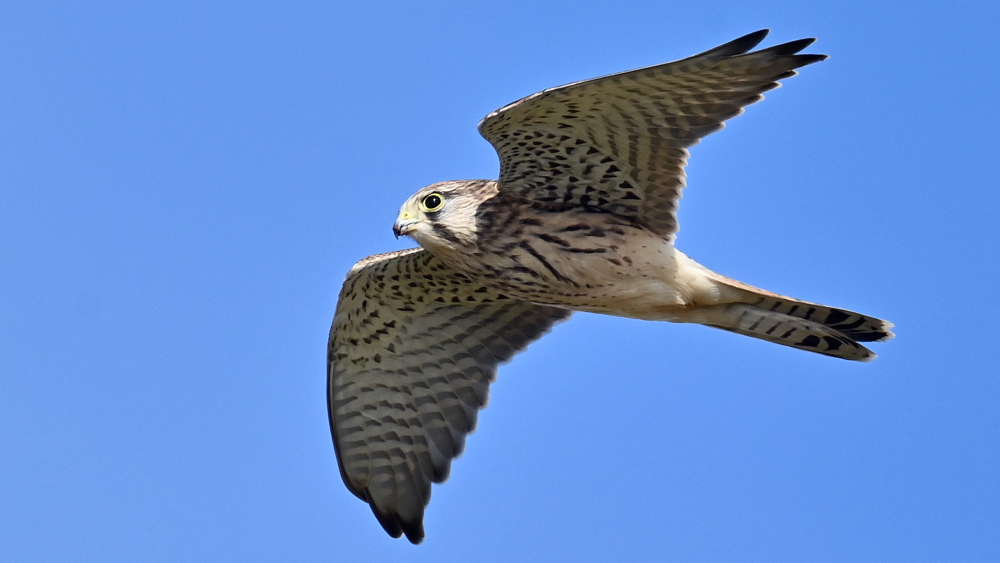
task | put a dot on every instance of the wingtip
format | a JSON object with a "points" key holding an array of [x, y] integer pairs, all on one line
{"points": [[804, 60], [395, 525], [792, 47], [757, 36], [743, 44], [414, 532], [388, 523], [802, 43]]}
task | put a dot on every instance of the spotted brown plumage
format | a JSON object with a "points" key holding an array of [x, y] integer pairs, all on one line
{"points": [[583, 218], [413, 349], [619, 143]]}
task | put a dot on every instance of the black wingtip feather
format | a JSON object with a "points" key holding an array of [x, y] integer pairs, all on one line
{"points": [[740, 45], [810, 59], [396, 526], [414, 532], [791, 47], [389, 522]]}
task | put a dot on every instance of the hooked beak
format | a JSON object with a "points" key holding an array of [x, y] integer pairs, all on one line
{"points": [[404, 224]]}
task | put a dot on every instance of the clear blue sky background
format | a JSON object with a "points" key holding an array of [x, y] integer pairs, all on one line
{"points": [[183, 188]]}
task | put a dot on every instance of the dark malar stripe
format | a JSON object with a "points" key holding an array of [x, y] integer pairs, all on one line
{"points": [[445, 233]]}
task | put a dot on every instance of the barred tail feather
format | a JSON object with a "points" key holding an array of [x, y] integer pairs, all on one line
{"points": [[807, 326], [784, 329]]}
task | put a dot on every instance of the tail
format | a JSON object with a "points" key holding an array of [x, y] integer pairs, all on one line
{"points": [[747, 310]]}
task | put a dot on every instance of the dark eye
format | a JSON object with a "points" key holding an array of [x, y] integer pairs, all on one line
{"points": [[432, 203]]}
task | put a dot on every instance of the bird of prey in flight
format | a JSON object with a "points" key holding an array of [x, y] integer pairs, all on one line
{"points": [[583, 218]]}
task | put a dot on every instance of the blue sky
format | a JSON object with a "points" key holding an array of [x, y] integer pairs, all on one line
{"points": [[184, 186]]}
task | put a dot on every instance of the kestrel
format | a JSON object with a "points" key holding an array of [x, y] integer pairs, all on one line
{"points": [[583, 218]]}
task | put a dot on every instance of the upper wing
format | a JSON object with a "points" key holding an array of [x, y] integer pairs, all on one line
{"points": [[619, 142], [413, 348]]}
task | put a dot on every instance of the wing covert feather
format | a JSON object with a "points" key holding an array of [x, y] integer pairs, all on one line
{"points": [[619, 143], [413, 349]]}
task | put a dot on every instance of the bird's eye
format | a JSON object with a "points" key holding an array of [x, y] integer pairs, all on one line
{"points": [[432, 203]]}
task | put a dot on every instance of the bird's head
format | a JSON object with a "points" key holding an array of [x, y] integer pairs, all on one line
{"points": [[443, 214]]}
